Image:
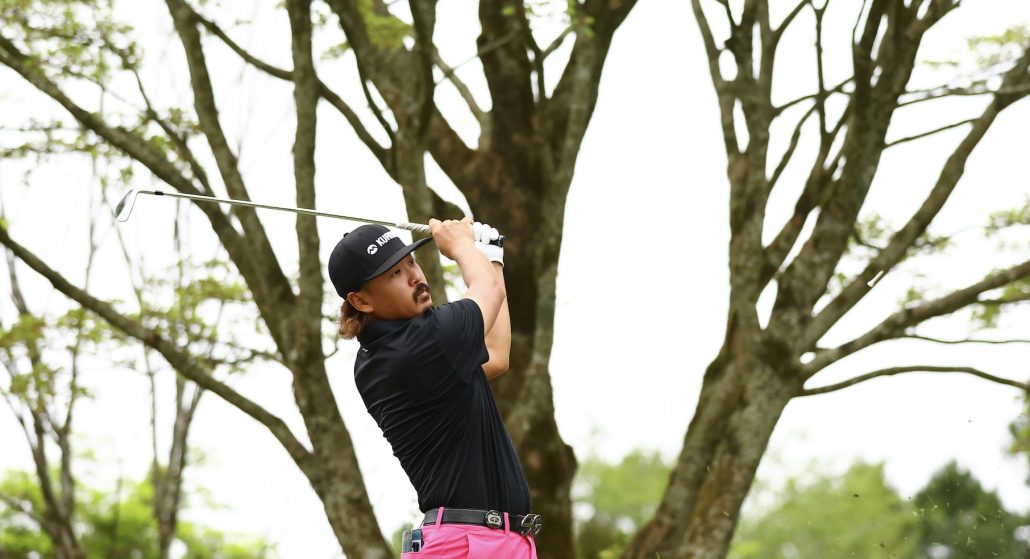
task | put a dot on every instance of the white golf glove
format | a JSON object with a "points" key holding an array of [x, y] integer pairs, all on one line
{"points": [[483, 234]]}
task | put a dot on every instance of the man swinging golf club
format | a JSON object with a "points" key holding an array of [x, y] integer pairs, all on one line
{"points": [[422, 373]]}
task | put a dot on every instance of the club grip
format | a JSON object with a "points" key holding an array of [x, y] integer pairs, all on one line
{"points": [[420, 228]]}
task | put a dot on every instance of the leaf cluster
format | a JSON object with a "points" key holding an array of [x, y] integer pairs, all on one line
{"points": [[623, 496], [36, 350], [988, 310], [71, 38], [962, 519], [117, 523], [202, 305]]}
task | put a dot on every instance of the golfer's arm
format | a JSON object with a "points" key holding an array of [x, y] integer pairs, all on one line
{"points": [[485, 285], [498, 338]]}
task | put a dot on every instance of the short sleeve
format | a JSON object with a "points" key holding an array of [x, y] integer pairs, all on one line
{"points": [[461, 337]]}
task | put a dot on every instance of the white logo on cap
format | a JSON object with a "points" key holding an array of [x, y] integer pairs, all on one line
{"points": [[372, 249]]}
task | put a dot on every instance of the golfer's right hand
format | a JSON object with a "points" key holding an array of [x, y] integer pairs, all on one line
{"points": [[451, 236]]}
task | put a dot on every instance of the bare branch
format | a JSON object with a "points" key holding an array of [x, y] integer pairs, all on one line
{"points": [[930, 133], [463, 90], [794, 138], [778, 32], [557, 42], [942, 92], [963, 341], [818, 186], [898, 323], [325, 91], [484, 50], [305, 95], [913, 369], [820, 100], [423, 14], [726, 98]]}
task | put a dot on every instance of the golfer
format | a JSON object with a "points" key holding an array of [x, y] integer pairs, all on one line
{"points": [[422, 373]]}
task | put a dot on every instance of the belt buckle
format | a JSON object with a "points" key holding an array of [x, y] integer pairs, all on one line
{"points": [[530, 524], [494, 519]]}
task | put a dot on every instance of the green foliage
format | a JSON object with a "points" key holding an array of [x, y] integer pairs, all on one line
{"points": [[958, 516], [859, 515], [37, 349], [200, 305], [988, 310], [19, 534], [385, 30], [854, 515], [336, 51], [623, 496], [70, 38], [1004, 219], [1000, 49], [1020, 429], [110, 524], [986, 53]]}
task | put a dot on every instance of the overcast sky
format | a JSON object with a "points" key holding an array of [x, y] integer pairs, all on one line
{"points": [[642, 287]]}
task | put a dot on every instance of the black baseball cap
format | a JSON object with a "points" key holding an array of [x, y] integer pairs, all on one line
{"points": [[364, 253]]}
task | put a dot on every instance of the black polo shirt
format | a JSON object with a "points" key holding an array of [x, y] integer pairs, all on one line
{"points": [[422, 381]]}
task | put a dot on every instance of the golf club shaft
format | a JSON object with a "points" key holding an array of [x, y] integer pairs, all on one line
{"points": [[417, 227], [128, 201]]}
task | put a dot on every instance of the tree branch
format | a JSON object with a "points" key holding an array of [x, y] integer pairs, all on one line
{"points": [[185, 22], [305, 95], [896, 324], [23, 508], [180, 360], [726, 98], [269, 286], [423, 14], [180, 143], [964, 341], [794, 138], [903, 240], [839, 88], [325, 91], [557, 42], [778, 32], [930, 133], [913, 369], [942, 92], [463, 90]]}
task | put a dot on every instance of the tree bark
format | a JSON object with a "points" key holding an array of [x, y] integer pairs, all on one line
{"points": [[740, 403]]}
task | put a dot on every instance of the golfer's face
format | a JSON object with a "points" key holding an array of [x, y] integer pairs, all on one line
{"points": [[402, 292]]}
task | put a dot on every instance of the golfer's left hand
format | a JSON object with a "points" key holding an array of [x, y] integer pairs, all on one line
{"points": [[483, 234]]}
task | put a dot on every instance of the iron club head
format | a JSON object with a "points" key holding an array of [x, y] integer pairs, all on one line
{"points": [[124, 208]]}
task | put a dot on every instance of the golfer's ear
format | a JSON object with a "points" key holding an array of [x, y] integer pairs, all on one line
{"points": [[360, 301]]}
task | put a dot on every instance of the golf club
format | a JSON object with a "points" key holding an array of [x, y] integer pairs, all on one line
{"points": [[124, 209]]}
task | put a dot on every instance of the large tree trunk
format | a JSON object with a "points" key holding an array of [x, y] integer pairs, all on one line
{"points": [[740, 403], [549, 463]]}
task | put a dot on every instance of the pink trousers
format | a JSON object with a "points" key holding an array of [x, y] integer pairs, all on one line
{"points": [[466, 541]]}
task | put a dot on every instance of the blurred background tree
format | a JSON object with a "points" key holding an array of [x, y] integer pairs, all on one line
{"points": [[962, 520], [855, 514], [616, 499], [110, 524]]}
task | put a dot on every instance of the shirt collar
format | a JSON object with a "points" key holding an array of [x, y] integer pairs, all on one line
{"points": [[377, 328]]}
